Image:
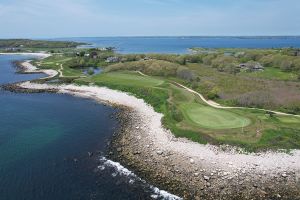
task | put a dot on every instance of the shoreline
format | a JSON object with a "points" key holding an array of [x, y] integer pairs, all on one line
{"points": [[27, 67], [200, 170], [186, 168], [40, 55]]}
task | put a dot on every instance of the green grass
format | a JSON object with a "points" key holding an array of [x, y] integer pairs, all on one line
{"points": [[273, 73], [211, 118], [128, 79], [186, 115]]}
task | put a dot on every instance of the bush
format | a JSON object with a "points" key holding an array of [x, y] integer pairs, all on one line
{"points": [[150, 67], [185, 73], [213, 94], [175, 113]]}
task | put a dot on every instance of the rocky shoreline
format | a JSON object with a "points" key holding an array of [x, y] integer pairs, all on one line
{"points": [[170, 171], [185, 168], [177, 165], [179, 174]]}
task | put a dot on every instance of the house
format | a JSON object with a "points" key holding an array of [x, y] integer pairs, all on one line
{"points": [[251, 66], [228, 54], [94, 54], [239, 54], [112, 59], [146, 58], [12, 49]]}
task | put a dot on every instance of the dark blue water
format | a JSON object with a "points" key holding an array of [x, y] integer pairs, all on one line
{"points": [[182, 44], [44, 145], [7, 70]]}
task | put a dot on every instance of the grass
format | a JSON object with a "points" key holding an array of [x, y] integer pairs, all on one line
{"points": [[273, 74], [55, 61], [212, 118], [127, 79], [187, 116]]}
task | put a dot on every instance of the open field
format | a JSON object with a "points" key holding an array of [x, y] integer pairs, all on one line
{"points": [[273, 74], [127, 79]]}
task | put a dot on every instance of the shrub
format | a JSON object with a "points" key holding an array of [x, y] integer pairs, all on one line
{"points": [[213, 94], [185, 73]]}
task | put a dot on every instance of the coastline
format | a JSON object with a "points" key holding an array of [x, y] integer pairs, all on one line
{"points": [[40, 55], [202, 171], [188, 169], [27, 67]]}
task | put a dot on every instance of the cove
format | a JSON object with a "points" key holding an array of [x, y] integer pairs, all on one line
{"points": [[46, 142]]}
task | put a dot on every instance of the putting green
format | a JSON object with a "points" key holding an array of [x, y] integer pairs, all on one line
{"points": [[212, 118]]}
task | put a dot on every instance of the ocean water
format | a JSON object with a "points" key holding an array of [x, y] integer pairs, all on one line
{"points": [[44, 144], [7, 70], [181, 45]]}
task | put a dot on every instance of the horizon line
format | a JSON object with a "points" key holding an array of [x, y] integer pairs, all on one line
{"points": [[158, 36]]}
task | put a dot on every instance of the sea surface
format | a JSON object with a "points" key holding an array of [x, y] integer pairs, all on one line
{"points": [[180, 45], [51, 147]]}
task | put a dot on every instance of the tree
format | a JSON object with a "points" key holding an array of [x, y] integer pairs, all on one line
{"points": [[82, 53], [186, 74], [298, 76], [286, 65], [270, 113]]}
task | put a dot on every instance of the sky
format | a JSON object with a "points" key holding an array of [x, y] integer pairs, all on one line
{"points": [[91, 18]]}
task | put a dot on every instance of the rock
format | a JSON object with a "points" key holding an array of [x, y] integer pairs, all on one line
{"points": [[159, 152], [196, 174], [119, 149], [206, 178], [90, 154], [192, 161], [284, 175]]}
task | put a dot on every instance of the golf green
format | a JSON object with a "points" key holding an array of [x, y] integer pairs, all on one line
{"points": [[212, 118]]}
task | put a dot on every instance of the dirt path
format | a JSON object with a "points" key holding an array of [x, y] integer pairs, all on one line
{"points": [[60, 71], [216, 105]]}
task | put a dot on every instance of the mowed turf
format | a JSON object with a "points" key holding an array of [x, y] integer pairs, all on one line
{"points": [[128, 79], [212, 118]]}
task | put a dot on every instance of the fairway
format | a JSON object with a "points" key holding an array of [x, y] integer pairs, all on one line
{"points": [[127, 78], [212, 118]]}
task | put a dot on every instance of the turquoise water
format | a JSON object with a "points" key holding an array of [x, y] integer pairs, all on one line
{"points": [[182, 44], [44, 145]]}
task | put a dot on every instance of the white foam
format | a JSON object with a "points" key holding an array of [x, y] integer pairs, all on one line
{"points": [[121, 170]]}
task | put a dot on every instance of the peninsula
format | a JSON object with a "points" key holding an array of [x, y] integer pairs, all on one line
{"points": [[213, 124]]}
